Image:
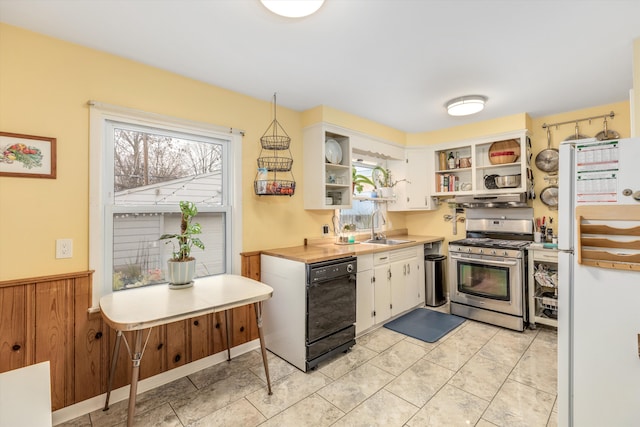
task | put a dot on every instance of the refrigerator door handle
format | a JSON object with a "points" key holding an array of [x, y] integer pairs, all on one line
{"points": [[566, 251]]}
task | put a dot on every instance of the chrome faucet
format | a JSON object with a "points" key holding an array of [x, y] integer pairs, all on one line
{"points": [[376, 210]]}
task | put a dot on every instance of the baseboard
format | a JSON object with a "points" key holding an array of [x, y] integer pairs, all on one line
{"points": [[86, 406]]}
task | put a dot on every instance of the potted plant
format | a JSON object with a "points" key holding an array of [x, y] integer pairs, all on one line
{"points": [[384, 181], [359, 180], [182, 266]]}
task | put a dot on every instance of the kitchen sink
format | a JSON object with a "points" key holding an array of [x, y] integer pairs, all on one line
{"points": [[388, 242]]}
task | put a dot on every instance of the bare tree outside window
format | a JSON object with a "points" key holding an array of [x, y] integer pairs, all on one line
{"points": [[142, 158]]}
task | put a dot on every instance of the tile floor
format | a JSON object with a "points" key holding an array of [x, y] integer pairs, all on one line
{"points": [[477, 375]]}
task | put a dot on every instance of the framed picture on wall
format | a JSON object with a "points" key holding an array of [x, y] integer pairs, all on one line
{"points": [[27, 156]]}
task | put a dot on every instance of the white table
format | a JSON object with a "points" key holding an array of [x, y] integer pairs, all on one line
{"points": [[143, 308], [25, 396]]}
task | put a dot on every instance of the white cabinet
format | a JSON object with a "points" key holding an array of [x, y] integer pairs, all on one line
{"points": [[480, 160], [406, 272], [382, 286], [543, 286], [417, 169], [398, 284], [365, 304], [327, 167]]}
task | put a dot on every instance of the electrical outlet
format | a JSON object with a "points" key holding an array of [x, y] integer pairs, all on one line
{"points": [[64, 248], [325, 229]]}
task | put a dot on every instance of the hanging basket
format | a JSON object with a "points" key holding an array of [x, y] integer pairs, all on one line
{"points": [[278, 187], [275, 164], [275, 137]]}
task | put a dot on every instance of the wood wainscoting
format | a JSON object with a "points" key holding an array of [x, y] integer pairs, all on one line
{"points": [[48, 318]]}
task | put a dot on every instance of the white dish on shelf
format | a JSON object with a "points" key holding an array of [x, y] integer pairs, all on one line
{"points": [[332, 151]]}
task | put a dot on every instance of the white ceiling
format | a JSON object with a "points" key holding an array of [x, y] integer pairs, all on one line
{"points": [[392, 61]]}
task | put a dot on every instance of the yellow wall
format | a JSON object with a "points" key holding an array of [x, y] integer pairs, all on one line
{"points": [[44, 88], [473, 130], [636, 86], [331, 115]]}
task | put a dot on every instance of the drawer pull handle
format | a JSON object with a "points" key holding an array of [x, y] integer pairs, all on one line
{"points": [[98, 335], [16, 347], [160, 346], [196, 322], [177, 358]]}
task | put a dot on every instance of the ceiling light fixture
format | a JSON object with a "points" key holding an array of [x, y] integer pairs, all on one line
{"points": [[293, 8], [466, 105]]}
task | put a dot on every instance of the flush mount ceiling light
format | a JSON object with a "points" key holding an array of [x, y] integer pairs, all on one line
{"points": [[466, 105], [293, 8]]}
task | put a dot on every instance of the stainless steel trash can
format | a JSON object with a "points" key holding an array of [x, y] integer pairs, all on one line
{"points": [[435, 279]]}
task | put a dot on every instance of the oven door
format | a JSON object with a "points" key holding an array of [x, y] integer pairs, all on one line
{"points": [[331, 306], [488, 282]]}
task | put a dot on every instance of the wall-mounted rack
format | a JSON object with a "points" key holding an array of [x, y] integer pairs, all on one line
{"points": [[602, 116], [597, 248]]}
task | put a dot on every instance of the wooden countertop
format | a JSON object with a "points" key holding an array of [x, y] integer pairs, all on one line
{"points": [[326, 251]]}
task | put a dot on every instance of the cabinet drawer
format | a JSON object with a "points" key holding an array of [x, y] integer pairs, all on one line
{"points": [[545, 255], [381, 258], [402, 254], [365, 262]]}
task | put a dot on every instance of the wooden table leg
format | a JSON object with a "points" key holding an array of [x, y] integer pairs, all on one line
{"points": [[114, 362], [258, 307]]}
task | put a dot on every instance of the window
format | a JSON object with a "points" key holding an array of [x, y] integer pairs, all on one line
{"points": [[361, 210], [363, 206], [142, 166]]}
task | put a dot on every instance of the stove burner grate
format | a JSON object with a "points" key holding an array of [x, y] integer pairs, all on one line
{"points": [[492, 243]]}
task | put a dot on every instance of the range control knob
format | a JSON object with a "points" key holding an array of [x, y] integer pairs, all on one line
{"points": [[481, 251], [469, 250], [349, 268], [505, 253], [493, 252]]}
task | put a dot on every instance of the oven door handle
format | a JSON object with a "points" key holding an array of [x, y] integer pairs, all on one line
{"points": [[510, 263], [350, 278]]}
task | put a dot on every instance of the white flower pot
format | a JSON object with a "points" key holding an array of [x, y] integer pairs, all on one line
{"points": [[385, 192], [180, 273]]}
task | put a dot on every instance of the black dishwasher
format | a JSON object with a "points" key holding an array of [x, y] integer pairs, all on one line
{"points": [[330, 308]]}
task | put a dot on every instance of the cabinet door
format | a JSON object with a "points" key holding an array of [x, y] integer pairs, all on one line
{"points": [[415, 192], [418, 271], [399, 292], [382, 293], [419, 172], [365, 302], [13, 328], [412, 283]]}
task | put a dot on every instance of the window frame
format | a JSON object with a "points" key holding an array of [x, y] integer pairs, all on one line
{"points": [[101, 208]]}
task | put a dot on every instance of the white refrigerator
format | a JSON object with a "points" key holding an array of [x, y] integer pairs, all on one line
{"points": [[599, 283]]}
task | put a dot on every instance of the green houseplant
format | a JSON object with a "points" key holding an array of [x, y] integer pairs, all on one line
{"points": [[182, 266], [359, 180], [384, 181]]}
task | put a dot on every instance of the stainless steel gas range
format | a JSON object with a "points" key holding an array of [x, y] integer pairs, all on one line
{"points": [[487, 269]]}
